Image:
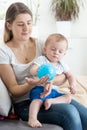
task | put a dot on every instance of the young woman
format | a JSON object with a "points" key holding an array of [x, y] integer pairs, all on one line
{"points": [[16, 56]]}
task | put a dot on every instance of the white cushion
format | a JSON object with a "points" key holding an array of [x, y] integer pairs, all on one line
{"points": [[5, 101]]}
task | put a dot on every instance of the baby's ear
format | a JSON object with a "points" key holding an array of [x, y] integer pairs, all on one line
{"points": [[44, 50], [65, 53]]}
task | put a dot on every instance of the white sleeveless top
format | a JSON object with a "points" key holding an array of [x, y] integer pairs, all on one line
{"points": [[21, 70]]}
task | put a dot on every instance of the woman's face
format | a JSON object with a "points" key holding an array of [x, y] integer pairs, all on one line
{"points": [[21, 27]]}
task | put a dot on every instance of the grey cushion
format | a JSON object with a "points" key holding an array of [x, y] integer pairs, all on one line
{"points": [[20, 125]]}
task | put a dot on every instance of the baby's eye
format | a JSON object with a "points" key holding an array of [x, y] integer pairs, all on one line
{"points": [[29, 23], [53, 49], [60, 51]]}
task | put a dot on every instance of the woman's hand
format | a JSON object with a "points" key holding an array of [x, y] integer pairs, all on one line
{"points": [[35, 82]]}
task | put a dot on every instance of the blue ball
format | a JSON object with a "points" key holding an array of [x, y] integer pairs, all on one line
{"points": [[47, 69]]}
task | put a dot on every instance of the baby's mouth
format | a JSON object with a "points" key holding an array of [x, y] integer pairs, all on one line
{"points": [[55, 56]]}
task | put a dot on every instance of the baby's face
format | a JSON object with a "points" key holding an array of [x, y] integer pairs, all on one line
{"points": [[55, 51]]}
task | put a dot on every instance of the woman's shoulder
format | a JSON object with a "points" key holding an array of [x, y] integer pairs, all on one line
{"points": [[5, 52], [5, 49], [39, 46], [39, 42]]}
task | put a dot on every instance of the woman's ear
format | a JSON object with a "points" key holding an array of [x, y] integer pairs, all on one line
{"points": [[8, 25]]}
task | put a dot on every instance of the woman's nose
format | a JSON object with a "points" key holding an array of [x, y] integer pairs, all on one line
{"points": [[25, 27]]}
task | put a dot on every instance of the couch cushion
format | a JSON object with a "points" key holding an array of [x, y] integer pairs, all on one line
{"points": [[5, 101], [21, 125]]}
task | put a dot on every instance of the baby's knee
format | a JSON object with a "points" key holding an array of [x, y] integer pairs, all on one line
{"points": [[68, 98]]}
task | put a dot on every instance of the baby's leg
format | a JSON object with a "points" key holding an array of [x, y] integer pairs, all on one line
{"points": [[33, 111], [61, 99]]}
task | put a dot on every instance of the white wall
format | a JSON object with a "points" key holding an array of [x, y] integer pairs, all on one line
{"points": [[47, 21], [76, 56]]}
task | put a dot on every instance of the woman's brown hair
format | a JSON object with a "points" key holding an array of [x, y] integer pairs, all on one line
{"points": [[11, 14]]}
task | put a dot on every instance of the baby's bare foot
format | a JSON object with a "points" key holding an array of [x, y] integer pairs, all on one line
{"points": [[34, 123], [47, 104]]}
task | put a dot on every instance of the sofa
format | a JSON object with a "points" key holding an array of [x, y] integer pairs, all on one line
{"points": [[21, 125]]}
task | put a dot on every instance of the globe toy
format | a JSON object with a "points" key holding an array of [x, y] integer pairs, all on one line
{"points": [[47, 69]]}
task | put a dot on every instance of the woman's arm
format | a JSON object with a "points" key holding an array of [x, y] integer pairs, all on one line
{"points": [[8, 77]]}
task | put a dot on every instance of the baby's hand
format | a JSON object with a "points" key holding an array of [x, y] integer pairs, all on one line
{"points": [[72, 89], [47, 89]]}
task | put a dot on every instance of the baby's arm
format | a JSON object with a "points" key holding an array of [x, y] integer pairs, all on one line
{"points": [[72, 82], [33, 69]]}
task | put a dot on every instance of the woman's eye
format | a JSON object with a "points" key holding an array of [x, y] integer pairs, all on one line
{"points": [[20, 24], [23, 24]]}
